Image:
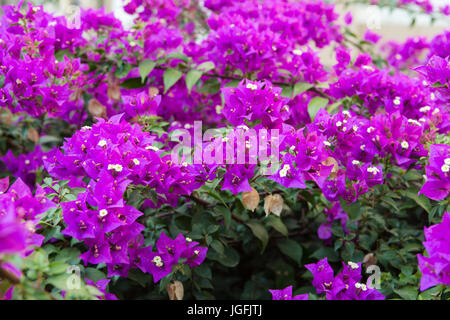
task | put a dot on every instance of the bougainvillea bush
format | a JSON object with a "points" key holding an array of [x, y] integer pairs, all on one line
{"points": [[210, 152]]}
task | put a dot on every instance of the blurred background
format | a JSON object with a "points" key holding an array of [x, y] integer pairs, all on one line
{"points": [[389, 22], [392, 24]]}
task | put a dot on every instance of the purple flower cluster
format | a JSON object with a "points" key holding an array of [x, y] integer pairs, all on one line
{"points": [[19, 216], [436, 267], [252, 101], [259, 36], [404, 55], [32, 79], [24, 166], [345, 286], [437, 184], [114, 154], [286, 294]]}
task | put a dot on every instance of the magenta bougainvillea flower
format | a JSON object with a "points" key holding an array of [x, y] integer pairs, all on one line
{"points": [[286, 294], [345, 286], [20, 211], [435, 267], [437, 184]]}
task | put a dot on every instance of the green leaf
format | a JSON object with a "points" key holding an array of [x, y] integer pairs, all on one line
{"points": [[123, 71], [286, 92], [132, 83], [277, 224], [421, 200], [191, 78], [260, 232], [203, 271], [57, 267], [232, 84], [69, 255], [218, 246], [206, 66], [326, 252], [210, 86], [292, 249], [300, 87], [178, 55], [170, 77], [230, 258], [407, 293], [94, 274], [315, 104], [145, 67], [226, 213]]}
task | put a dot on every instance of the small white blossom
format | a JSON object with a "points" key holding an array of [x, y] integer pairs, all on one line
{"points": [[417, 123], [115, 167], [284, 171], [252, 86], [355, 162], [151, 148], [373, 170], [102, 213], [136, 161], [405, 144], [425, 109], [370, 129], [445, 168], [102, 143]]}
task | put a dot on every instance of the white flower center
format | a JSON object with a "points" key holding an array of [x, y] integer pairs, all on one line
{"points": [[102, 143], [284, 171], [103, 213], [115, 167], [417, 123], [136, 161], [445, 168], [252, 86], [425, 109], [373, 170], [405, 144], [151, 148]]}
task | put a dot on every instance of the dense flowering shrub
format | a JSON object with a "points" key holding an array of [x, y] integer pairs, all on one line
{"points": [[210, 150]]}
